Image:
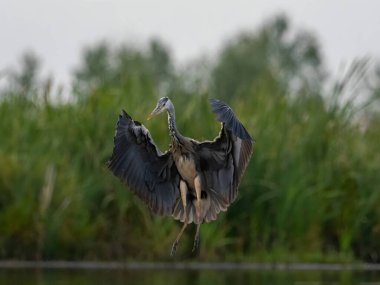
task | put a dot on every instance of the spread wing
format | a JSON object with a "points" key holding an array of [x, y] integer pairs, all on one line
{"points": [[224, 160], [141, 166]]}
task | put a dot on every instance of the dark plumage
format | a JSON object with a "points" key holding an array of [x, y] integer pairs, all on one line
{"points": [[193, 181]]}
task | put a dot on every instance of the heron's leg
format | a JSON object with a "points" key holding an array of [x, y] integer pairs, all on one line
{"points": [[175, 244], [183, 190], [196, 239], [198, 191]]}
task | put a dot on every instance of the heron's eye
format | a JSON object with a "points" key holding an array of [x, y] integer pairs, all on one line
{"points": [[164, 101]]}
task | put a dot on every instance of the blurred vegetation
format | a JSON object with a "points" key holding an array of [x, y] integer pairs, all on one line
{"points": [[311, 192]]}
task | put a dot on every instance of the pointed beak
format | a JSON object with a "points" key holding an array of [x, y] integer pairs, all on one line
{"points": [[150, 116], [154, 113]]}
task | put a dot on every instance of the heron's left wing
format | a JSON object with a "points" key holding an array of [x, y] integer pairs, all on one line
{"points": [[141, 166], [224, 160]]}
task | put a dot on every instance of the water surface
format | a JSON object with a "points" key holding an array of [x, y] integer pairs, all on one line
{"points": [[185, 276]]}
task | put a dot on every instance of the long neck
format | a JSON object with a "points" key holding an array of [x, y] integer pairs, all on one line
{"points": [[174, 133]]}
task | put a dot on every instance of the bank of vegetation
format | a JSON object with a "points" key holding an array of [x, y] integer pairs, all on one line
{"points": [[310, 193]]}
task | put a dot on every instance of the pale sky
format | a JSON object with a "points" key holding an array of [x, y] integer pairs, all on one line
{"points": [[57, 30]]}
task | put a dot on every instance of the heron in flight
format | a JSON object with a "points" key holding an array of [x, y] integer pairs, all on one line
{"points": [[192, 181]]}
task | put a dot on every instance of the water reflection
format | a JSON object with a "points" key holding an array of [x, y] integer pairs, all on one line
{"points": [[184, 277]]}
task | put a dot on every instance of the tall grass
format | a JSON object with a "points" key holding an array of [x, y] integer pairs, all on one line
{"points": [[311, 191]]}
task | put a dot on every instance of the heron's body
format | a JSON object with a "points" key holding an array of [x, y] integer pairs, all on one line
{"points": [[186, 166], [193, 181]]}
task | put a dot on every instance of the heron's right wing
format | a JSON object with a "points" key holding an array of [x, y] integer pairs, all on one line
{"points": [[140, 165]]}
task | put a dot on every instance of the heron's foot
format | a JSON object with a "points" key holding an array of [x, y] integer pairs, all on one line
{"points": [[174, 248], [196, 244]]}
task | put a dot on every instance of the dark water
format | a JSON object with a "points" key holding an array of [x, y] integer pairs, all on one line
{"points": [[183, 277]]}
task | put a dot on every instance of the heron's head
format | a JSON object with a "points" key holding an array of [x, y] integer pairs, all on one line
{"points": [[162, 105]]}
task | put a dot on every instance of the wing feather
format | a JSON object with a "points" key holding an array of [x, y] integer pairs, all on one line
{"points": [[224, 160], [141, 166]]}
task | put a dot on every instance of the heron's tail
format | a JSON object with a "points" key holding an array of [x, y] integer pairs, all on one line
{"points": [[212, 205]]}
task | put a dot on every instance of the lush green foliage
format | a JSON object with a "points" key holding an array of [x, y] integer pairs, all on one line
{"points": [[311, 191]]}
